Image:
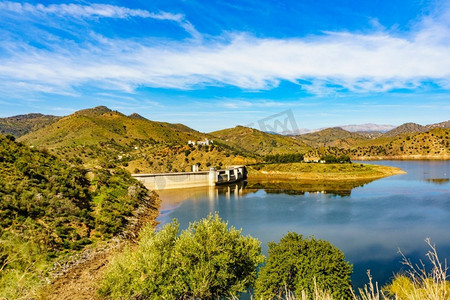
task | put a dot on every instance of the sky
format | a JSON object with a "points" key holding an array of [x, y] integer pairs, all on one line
{"points": [[219, 63]]}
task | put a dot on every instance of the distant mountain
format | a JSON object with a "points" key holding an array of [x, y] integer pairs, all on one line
{"points": [[368, 127], [445, 124], [335, 136], [406, 128], [136, 116], [370, 134], [23, 124], [431, 144], [259, 142]]}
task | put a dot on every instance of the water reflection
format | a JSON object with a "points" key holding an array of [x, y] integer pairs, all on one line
{"points": [[368, 221], [301, 187]]}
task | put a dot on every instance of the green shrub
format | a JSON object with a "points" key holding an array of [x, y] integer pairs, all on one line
{"points": [[295, 263], [208, 260], [284, 158]]}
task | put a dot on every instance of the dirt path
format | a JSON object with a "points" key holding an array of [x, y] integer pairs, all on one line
{"points": [[82, 280]]}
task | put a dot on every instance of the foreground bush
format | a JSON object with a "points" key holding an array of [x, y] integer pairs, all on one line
{"points": [[208, 260], [302, 266]]}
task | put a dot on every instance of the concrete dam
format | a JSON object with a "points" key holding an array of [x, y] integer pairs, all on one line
{"points": [[161, 181]]}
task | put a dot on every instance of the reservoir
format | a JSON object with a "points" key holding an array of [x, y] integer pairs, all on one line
{"points": [[369, 220]]}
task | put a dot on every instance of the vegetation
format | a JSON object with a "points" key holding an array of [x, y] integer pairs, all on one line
{"points": [[259, 142], [206, 261], [50, 208], [431, 144], [102, 137], [331, 137], [296, 264], [316, 171], [416, 283], [284, 158], [331, 159], [23, 124]]}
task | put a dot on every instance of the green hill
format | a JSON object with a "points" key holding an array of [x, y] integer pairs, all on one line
{"points": [[106, 138], [100, 124], [432, 144], [23, 124], [259, 142], [334, 137], [49, 208]]}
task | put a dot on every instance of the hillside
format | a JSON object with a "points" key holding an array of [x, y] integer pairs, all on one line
{"points": [[23, 124], [100, 124], [335, 137], [445, 124], [106, 138], [259, 142], [405, 128], [432, 144], [50, 209]]}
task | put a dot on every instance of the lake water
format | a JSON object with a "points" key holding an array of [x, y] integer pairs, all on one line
{"points": [[368, 221]]}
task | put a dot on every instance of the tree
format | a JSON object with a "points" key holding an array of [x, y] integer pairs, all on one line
{"points": [[295, 263], [206, 261]]}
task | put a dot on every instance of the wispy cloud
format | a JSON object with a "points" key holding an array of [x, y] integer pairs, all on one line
{"points": [[79, 11], [335, 61], [86, 11]]}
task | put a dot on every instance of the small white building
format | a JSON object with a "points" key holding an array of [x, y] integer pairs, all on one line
{"points": [[205, 142]]}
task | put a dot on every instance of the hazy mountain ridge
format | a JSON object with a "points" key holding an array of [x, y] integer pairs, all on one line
{"points": [[368, 127]]}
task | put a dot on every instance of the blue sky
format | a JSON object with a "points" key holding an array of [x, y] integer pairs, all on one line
{"points": [[215, 64]]}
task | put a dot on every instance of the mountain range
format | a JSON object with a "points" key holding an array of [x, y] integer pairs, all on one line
{"points": [[102, 137]]}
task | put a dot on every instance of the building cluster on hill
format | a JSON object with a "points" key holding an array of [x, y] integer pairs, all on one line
{"points": [[205, 142]]}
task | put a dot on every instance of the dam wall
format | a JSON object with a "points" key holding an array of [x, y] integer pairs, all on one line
{"points": [[161, 181]]}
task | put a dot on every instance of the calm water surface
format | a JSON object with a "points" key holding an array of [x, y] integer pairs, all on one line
{"points": [[368, 221]]}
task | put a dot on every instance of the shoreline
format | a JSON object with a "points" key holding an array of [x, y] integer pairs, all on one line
{"points": [[326, 172], [400, 157]]}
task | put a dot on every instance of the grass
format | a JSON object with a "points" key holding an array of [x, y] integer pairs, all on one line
{"points": [[317, 171]]}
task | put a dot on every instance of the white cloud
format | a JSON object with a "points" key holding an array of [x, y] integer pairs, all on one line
{"points": [[86, 11], [373, 62], [95, 11]]}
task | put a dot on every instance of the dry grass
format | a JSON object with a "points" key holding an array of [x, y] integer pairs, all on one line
{"points": [[415, 284]]}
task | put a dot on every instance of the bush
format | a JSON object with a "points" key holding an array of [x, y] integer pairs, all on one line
{"points": [[295, 264], [284, 158], [208, 260]]}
